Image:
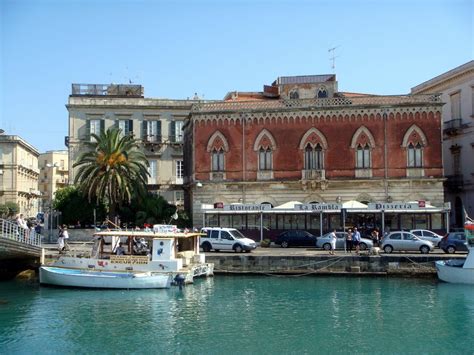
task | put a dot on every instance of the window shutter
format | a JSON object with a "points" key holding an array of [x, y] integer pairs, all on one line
{"points": [[130, 127], [173, 132], [144, 130], [87, 136], [102, 126], [158, 131]]}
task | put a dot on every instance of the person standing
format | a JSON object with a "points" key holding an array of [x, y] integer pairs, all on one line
{"points": [[60, 240], [356, 240], [21, 222], [332, 241], [66, 237], [349, 241]]}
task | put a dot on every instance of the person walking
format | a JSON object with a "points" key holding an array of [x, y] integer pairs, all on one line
{"points": [[349, 241], [356, 240], [332, 241]]}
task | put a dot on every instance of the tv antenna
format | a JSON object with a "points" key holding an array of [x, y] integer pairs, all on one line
{"points": [[333, 57]]}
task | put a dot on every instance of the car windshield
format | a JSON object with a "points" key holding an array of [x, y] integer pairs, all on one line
{"points": [[237, 234]]}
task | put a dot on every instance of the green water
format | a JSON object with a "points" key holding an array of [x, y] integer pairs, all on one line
{"points": [[232, 315]]}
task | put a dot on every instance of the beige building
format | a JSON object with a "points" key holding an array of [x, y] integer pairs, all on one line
{"points": [[54, 174], [19, 174], [457, 89], [157, 123]]}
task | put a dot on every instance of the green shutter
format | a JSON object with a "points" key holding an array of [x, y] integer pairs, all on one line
{"points": [[158, 130], [144, 126], [87, 136], [102, 126], [173, 132], [130, 127]]}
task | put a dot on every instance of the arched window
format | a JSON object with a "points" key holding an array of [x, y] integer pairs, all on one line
{"points": [[265, 159], [217, 160], [313, 157], [363, 156], [415, 155], [322, 93], [294, 95]]}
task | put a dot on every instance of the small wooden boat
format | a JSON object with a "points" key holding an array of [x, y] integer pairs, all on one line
{"points": [[103, 279], [150, 259], [459, 270]]}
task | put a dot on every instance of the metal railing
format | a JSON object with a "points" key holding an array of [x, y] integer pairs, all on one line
{"points": [[11, 230], [107, 90]]}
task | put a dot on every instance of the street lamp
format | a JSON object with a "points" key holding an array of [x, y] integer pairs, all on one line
{"points": [[51, 166]]}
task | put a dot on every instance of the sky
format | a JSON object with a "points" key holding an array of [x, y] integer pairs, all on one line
{"points": [[210, 47]]}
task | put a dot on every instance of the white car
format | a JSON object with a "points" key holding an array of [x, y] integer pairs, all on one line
{"points": [[428, 235], [225, 239], [405, 241]]}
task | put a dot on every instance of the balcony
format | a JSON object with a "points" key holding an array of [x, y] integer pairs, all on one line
{"points": [[217, 176], [62, 181], [107, 90], [453, 127], [314, 174], [454, 183], [363, 173]]}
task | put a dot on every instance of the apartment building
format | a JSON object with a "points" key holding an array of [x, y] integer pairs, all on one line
{"points": [[157, 123], [54, 174], [456, 87], [19, 174]]}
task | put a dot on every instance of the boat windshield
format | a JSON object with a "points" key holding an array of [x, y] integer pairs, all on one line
{"points": [[237, 234]]}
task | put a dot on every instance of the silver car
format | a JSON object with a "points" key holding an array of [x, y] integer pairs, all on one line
{"points": [[324, 242], [405, 241], [427, 235]]}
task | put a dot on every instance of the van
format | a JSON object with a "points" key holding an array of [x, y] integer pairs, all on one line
{"points": [[217, 238]]}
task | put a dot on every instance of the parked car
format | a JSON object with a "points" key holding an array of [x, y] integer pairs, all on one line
{"points": [[295, 238], [405, 241], [453, 242], [225, 239], [324, 242], [428, 235]]}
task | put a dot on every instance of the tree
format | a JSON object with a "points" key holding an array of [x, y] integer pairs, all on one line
{"points": [[12, 208], [112, 169], [4, 211], [75, 207]]}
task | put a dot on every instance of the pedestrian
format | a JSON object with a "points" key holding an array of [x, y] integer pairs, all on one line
{"points": [[332, 241], [349, 241], [60, 240], [66, 237], [356, 240], [375, 237], [21, 222]]}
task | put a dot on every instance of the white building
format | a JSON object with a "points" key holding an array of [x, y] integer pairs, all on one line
{"points": [[457, 88]]}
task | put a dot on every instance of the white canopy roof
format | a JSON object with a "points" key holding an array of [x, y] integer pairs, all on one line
{"points": [[288, 205], [353, 204]]}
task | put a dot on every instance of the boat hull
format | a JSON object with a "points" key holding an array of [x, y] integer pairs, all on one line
{"points": [[103, 279], [448, 272]]}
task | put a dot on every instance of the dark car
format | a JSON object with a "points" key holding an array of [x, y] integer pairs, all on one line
{"points": [[453, 242], [295, 238]]}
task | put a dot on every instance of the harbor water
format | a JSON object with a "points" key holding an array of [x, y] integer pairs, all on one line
{"points": [[242, 314]]}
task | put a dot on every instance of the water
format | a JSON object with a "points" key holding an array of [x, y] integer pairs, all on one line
{"points": [[240, 314]]}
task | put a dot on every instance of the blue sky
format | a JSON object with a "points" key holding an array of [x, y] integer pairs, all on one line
{"points": [[177, 48]]}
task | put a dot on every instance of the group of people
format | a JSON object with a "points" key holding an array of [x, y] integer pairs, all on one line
{"points": [[353, 239]]}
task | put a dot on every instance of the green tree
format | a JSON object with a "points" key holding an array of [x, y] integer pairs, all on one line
{"points": [[112, 169], [75, 207], [4, 211], [13, 208]]}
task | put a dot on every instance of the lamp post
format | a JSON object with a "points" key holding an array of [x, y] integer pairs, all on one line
{"points": [[51, 166]]}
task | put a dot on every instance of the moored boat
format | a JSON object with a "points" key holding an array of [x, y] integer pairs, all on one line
{"points": [[149, 259], [459, 270]]}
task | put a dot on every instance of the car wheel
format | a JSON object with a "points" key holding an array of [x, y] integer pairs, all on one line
{"points": [[388, 249], [424, 249], [439, 245], [206, 247], [451, 249], [327, 246], [217, 250], [238, 248], [363, 246], [284, 244]]}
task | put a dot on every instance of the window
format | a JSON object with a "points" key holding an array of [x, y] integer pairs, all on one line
{"points": [[456, 158], [214, 234], [455, 105], [322, 93], [126, 126], [363, 157], [95, 127], [313, 157], [407, 236], [179, 196], [265, 159], [152, 131], [176, 135], [415, 156], [179, 169], [218, 160], [153, 170], [396, 236], [294, 95], [226, 235]]}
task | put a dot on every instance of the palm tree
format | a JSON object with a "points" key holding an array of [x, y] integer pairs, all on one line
{"points": [[112, 169]]}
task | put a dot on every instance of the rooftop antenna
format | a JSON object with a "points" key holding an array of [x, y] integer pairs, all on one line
{"points": [[333, 57]]}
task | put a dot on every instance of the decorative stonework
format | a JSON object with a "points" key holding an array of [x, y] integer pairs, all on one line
{"points": [[313, 136], [217, 141], [414, 135], [362, 137], [264, 140]]}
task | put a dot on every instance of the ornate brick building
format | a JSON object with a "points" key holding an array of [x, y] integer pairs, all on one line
{"points": [[301, 139]]}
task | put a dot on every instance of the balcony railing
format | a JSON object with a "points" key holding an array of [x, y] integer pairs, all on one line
{"points": [[315, 174], [453, 127], [122, 90], [454, 183]]}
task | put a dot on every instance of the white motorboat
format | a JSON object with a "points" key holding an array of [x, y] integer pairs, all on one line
{"points": [[148, 260], [459, 270]]}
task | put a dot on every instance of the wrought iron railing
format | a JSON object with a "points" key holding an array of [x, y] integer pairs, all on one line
{"points": [[11, 230]]}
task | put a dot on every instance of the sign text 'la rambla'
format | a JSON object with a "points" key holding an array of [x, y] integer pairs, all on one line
{"points": [[248, 207], [318, 207]]}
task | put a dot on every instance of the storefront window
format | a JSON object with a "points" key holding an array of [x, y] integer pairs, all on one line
{"points": [[238, 221], [269, 221], [313, 222], [391, 222], [421, 221], [406, 221], [437, 221], [224, 220]]}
